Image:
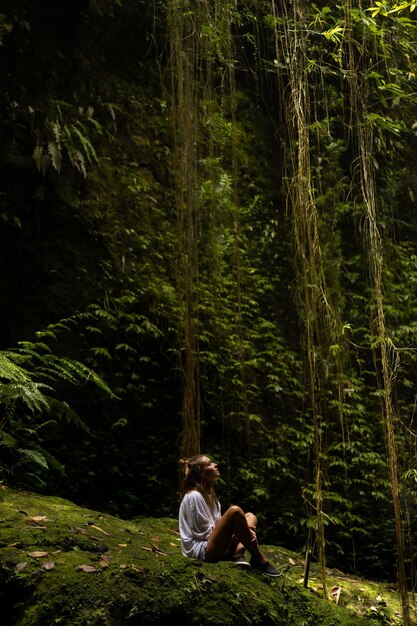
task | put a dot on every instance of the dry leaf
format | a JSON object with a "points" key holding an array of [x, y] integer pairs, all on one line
{"points": [[103, 563], [136, 568], [121, 545], [56, 552], [100, 529], [38, 554], [20, 566], [13, 545], [291, 561], [105, 558], [49, 565], [87, 568], [335, 593], [36, 518]]}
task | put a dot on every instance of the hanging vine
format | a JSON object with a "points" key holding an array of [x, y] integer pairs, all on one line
{"points": [[387, 360], [184, 65], [317, 311]]}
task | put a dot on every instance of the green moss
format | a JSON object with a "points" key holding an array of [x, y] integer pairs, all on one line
{"points": [[138, 575]]}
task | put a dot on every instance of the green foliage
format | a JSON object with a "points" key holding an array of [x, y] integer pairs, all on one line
{"points": [[30, 378], [101, 99], [71, 138]]}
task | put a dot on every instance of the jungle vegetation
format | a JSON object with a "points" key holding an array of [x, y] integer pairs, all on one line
{"points": [[209, 243]]}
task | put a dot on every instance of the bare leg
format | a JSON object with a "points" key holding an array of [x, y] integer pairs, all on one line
{"points": [[233, 522], [252, 523]]}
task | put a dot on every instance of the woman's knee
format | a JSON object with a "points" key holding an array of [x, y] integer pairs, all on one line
{"points": [[235, 511], [252, 520]]}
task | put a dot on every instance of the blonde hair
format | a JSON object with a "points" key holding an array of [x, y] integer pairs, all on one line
{"points": [[192, 470]]}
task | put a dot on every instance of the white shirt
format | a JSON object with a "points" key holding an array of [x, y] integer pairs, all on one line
{"points": [[196, 521]]}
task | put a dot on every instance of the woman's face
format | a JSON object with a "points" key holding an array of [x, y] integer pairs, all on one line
{"points": [[210, 470]]}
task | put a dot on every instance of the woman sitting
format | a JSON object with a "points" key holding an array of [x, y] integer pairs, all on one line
{"points": [[208, 535]]}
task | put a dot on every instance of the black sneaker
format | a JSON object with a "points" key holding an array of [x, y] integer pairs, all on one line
{"points": [[239, 561], [265, 568]]}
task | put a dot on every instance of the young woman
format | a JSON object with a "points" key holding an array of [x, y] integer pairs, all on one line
{"points": [[208, 535]]}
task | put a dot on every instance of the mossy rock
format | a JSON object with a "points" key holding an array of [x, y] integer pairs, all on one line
{"points": [[64, 564]]}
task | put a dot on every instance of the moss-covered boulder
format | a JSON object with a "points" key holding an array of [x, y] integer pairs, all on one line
{"points": [[64, 564]]}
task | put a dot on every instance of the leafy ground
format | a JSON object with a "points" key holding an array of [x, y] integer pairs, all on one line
{"points": [[63, 564]]}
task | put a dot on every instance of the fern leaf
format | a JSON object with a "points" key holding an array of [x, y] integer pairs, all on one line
{"points": [[34, 456], [29, 393], [86, 144], [54, 150], [11, 371], [77, 161], [56, 131], [7, 440], [37, 156]]}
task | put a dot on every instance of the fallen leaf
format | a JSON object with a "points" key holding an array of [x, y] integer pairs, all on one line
{"points": [[105, 558], [38, 554], [136, 568], [103, 563], [122, 545], [335, 593], [156, 549], [123, 566], [20, 566], [56, 551], [291, 561], [49, 565], [36, 518], [13, 545], [100, 529], [87, 568]]}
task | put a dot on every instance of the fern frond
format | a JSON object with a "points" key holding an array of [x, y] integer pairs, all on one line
{"points": [[62, 411], [11, 371], [54, 150], [34, 456], [56, 131], [7, 440], [77, 161], [38, 156], [86, 144], [29, 393], [33, 348]]}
